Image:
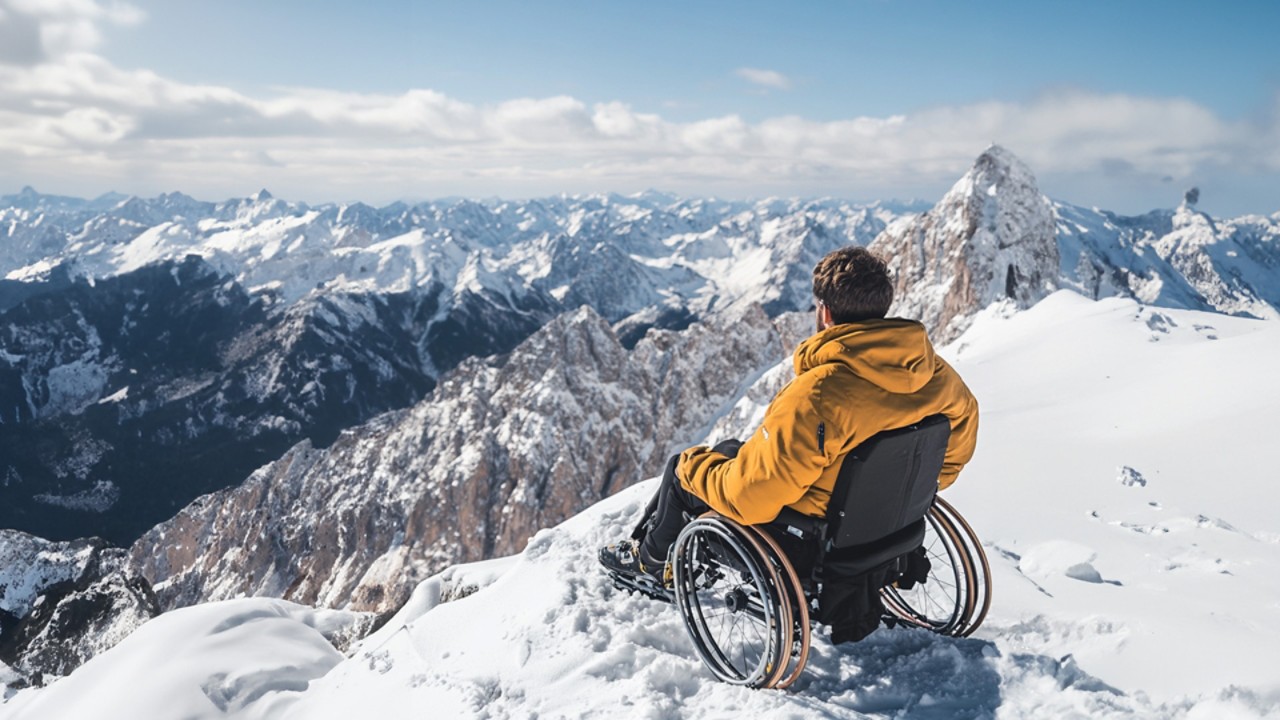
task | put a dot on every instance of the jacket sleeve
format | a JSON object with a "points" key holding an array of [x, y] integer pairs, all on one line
{"points": [[962, 411], [774, 467]]}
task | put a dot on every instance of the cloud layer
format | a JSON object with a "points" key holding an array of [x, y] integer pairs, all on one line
{"points": [[71, 119]]}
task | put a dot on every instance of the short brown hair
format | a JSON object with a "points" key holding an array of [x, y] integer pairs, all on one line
{"points": [[854, 283]]}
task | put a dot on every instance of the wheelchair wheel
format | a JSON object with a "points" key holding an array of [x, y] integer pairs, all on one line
{"points": [[978, 566], [955, 597], [733, 602], [798, 602]]}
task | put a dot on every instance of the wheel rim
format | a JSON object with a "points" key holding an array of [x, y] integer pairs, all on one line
{"points": [[728, 603], [797, 601], [942, 602], [979, 569]]}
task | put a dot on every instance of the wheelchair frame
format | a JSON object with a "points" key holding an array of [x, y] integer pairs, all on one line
{"points": [[750, 618]]}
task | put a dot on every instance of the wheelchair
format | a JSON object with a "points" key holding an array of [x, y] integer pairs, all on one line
{"points": [[750, 612]]}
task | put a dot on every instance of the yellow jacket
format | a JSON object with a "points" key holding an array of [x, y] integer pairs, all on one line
{"points": [[852, 381]]}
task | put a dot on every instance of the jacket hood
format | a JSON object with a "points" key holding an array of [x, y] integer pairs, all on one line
{"points": [[892, 354]]}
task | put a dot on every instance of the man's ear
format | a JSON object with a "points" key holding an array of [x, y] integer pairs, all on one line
{"points": [[824, 316]]}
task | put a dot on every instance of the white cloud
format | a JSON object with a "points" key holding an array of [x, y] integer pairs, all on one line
{"points": [[770, 79], [44, 30], [76, 115]]}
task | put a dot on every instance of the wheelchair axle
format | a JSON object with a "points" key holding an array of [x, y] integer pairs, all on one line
{"points": [[735, 600]]}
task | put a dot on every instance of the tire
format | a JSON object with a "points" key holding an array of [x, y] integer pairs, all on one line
{"points": [[799, 604], [733, 603], [748, 615], [954, 599]]}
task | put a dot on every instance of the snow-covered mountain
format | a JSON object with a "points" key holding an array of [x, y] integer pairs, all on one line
{"points": [[1180, 258], [122, 401], [535, 356], [994, 238], [990, 238], [124, 395], [1132, 546], [649, 248], [154, 350], [63, 603]]}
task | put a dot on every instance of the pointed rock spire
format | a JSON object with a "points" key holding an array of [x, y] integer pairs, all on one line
{"points": [[990, 238]]}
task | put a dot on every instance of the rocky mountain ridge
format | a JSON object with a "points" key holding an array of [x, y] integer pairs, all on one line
{"points": [[991, 237], [995, 238], [501, 448], [63, 603], [121, 401], [1173, 258]]}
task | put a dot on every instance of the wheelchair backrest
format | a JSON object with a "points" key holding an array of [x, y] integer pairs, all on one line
{"points": [[887, 482]]}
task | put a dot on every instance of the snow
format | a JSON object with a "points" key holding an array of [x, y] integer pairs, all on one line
{"points": [[117, 396], [99, 498], [215, 660], [291, 249], [30, 565], [1113, 597]]}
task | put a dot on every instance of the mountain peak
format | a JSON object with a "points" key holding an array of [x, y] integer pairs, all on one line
{"points": [[996, 169], [997, 154], [990, 238], [262, 196]]}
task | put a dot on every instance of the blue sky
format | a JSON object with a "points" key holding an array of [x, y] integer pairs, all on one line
{"points": [[844, 58], [1117, 104]]}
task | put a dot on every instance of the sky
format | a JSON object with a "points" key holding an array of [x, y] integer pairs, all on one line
{"points": [[1116, 105]]}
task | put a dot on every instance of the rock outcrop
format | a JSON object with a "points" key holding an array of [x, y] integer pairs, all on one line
{"points": [[990, 239], [63, 603]]}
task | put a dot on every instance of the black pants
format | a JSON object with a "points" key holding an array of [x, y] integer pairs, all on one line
{"points": [[667, 514], [672, 507]]}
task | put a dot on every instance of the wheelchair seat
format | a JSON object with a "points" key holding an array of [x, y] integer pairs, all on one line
{"points": [[876, 512]]}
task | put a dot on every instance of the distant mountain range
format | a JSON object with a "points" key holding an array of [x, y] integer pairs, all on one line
{"points": [[155, 350], [152, 350], [411, 386]]}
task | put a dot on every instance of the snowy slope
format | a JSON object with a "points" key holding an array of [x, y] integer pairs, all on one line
{"points": [[1121, 487]]}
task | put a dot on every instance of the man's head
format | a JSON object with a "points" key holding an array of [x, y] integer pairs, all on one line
{"points": [[852, 285]]}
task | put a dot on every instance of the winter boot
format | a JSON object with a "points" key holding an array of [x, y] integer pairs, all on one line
{"points": [[629, 560]]}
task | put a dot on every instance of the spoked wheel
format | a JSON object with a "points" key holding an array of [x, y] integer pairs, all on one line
{"points": [[733, 602], [798, 602], [955, 597], [978, 565]]}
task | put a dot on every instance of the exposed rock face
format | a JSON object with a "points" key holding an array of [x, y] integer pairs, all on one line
{"points": [[991, 238], [500, 449], [64, 603]]}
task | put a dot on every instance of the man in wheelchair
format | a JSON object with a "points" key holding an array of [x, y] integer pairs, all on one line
{"points": [[861, 374]]}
